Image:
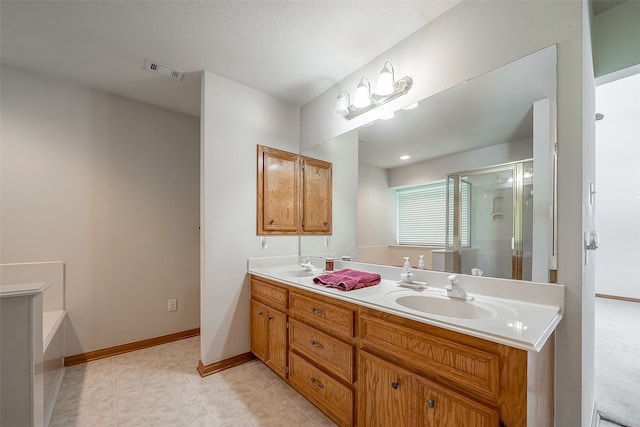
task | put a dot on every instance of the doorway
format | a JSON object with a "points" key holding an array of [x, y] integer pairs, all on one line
{"points": [[617, 314]]}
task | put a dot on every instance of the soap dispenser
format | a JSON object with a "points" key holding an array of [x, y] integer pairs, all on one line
{"points": [[406, 275], [421, 263]]}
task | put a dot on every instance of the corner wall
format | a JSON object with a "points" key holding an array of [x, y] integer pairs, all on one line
{"points": [[110, 187], [235, 118]]}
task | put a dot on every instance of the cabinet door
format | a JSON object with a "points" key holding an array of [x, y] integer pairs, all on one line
{"points": [[258, 329], [316, 196], [384, 393], [436, 406], [278, 199], [277, 343]]}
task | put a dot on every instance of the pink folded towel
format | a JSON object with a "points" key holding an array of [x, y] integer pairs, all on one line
{"points": [[347, 279]]}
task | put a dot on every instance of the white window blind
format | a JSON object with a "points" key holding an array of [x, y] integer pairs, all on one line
{"points": [[422, 214]]}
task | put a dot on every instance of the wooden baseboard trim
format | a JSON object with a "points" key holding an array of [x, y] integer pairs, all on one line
{"points": [[76, 359], [628, 299], [205, 370]]}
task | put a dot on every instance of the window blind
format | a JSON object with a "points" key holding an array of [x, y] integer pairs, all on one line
{"points": [[422, 214]]}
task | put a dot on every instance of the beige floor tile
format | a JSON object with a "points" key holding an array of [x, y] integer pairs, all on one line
{"points": [[98, 419], [160, 386]]}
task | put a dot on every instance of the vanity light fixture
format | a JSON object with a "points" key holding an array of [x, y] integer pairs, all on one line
{"points": [[405, 157], [363, 94], [387, 90]]}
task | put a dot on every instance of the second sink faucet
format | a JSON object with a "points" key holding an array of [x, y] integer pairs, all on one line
{"points": [[454, 290]]}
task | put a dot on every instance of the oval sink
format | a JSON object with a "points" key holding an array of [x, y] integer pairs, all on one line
{"points": [[443, 306], [298, 273]]}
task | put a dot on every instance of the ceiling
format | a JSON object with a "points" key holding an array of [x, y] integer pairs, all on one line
{"points": [[293, 50]]}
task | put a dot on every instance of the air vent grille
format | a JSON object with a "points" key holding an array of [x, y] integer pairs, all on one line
{"points": [[163, 70]]}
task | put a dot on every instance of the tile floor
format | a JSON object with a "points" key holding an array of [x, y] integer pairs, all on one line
{"points": [[159, 386]]}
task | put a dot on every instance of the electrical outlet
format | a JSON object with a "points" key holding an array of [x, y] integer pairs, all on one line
{"points": [[173, 305]]}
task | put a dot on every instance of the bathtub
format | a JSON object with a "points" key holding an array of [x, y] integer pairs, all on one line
{"points": [[32, 296]]}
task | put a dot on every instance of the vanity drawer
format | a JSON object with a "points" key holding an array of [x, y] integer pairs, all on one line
{"points": [[325, 315], [462, 365], [333, 398], [269, 293], [331, 353]]}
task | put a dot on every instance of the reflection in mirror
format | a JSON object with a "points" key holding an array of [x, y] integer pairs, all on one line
{"points": [[478, 131]]}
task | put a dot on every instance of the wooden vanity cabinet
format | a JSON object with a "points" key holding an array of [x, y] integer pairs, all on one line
{"points": [[384, 393], [268, 325], [438, 406], [456, 379], [294, 194], [396, 371], [322, 353]]}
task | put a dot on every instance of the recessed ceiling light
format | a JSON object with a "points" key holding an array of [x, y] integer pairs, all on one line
{"points": [[411, 106], [405, 157], [387, 116]]}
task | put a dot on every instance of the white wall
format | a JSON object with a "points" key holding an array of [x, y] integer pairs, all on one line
{"points": [[436, 169], [110, 187], [235, 118], [472, 38], [618, 192]]}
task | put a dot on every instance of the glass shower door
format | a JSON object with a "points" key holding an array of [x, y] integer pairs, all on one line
{"points": [[483, 213]]}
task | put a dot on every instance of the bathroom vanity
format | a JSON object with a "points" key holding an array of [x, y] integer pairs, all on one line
{"points": [[388, 355]]}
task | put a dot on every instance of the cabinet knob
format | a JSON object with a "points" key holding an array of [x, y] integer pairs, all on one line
{"points": [[431, 403], [317, 345], [325, 223], [317, 311], [260, 314], [395, 385], [270, 317], [317, 383], [272, 222]]}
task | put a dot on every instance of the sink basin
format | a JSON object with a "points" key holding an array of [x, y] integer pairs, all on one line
{"points": [[444, 306], [298, 273]]}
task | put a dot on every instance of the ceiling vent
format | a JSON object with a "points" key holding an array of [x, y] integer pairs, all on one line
{"points": [[163, 70]]}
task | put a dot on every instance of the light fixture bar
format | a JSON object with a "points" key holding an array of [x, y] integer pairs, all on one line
{"points": [[401, 87]]}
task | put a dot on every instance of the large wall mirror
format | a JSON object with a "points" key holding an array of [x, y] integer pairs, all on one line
{"points": [[463, 180]]}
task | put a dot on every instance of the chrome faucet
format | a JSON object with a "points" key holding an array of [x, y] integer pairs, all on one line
{"points": [[454, 290], [307, 265]]}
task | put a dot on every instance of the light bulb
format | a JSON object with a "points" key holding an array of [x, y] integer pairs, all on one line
{"points": [[363, 94], [342, 104], [385, 80]]}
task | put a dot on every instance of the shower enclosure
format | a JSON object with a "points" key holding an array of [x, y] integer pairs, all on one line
{"points": [[490, 220]]}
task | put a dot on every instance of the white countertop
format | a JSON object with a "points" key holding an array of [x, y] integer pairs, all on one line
{"points": [[22, 289], [523, 317]]}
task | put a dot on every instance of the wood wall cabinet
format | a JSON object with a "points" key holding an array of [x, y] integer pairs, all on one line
{"points": [[294, 193], [316, 196], [269, 325]]}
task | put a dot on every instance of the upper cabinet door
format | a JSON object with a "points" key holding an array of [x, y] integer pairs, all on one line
{"points": [[278, 197], [316, 196]]}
